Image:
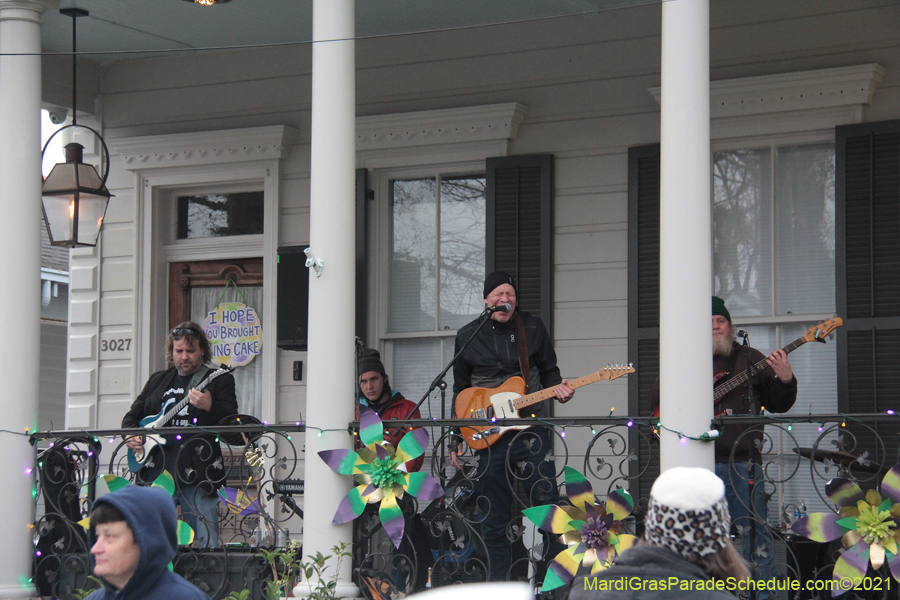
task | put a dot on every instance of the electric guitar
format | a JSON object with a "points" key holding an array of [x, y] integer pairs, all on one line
{"points": [[505, 401], [138, 458], [813, 334]]}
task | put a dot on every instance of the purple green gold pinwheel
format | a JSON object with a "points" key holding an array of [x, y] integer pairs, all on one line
{"points": [[867, 525], [593, 532], [379, 471]]}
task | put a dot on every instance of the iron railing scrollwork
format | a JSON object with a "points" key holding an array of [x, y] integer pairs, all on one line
{"points": [[443, 542]]}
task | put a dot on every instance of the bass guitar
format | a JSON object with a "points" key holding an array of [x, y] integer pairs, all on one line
{"points": [[137, 459], [505, 401], [817, 333]]}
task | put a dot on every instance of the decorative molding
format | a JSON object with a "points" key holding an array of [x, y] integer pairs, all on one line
{"points": [[492, 122], [790, 92], [205, 147]]}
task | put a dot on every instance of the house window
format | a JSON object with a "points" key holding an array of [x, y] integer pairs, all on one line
{"points": [[437, 263], [773, 253], [437, 256], [220, 214]]}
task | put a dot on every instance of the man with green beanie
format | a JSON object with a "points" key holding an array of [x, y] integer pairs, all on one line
{"points": [[738, 459]]}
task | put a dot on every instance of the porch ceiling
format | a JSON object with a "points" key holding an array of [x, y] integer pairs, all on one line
{"points": [[128, 29]]}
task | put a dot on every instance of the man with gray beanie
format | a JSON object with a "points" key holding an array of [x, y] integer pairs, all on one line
{"points": [[490, 360]]}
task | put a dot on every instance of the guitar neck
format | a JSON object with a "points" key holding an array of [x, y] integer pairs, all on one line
{"points": [[758, 366], [547, 393]]}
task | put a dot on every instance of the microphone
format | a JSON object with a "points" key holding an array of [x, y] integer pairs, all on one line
{"points": [[742, 334], [504, 308]]}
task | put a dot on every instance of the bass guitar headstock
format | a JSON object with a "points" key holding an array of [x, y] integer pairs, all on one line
{"points": [[823, 329], [610, 372]]}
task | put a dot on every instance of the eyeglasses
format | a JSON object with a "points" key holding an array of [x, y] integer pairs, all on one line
{"points": [[180, 331]]}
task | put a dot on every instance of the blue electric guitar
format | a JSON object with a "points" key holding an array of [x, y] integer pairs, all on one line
{"points": [[137, 459]]}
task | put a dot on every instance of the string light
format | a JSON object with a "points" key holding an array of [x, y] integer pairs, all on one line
{"points": [[563, 434], [630, 423]]}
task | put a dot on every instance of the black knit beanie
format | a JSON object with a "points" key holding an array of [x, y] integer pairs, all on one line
{"points": [[496, 279], [370, 361]]}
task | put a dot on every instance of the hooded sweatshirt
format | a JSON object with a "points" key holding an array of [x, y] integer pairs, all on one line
{"points": [[150, 514]]}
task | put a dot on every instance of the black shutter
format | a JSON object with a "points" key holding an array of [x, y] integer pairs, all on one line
{"points": [[519, 226], [363, 194], [867, 269], [643, 300]]}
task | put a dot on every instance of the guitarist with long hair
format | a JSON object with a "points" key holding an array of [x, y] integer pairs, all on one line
{"points": [[195, 462], [492, 358], [773, 387]]}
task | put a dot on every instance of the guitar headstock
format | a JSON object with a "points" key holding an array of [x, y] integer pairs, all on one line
{"points": [[610, 372], [818, 333]]}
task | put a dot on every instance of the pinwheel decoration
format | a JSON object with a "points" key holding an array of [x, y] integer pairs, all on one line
{"points": [[380, 472], [593, 532], [106, 484], [867, 525]]}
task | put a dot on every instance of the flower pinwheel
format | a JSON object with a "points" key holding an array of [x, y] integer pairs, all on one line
{"points": [[592, 532], [379, 469], [867, 525]]}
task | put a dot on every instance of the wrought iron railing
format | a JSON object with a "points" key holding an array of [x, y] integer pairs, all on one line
{"points": [[443, 541]]}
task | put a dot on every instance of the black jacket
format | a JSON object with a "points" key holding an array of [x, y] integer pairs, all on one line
{"points": [[200, 459], [649, 573], [768, 391], [493, 357]]}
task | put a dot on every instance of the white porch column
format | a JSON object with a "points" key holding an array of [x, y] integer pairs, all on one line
{"points": [[685, 339], [20, 307], [332, 367]]}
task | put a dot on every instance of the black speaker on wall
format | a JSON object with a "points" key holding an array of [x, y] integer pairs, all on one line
{"points": [[293, 298]]}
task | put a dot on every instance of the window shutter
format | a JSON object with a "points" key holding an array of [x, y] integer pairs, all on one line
{"points": [[519, 224], [363, 194], [867, 267], [643, 295]]}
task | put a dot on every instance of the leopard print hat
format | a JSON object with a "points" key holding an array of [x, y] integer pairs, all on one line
{"points": [[688, 513]]}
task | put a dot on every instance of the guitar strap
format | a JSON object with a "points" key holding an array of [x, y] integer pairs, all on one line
{"points": [[197, 378], [522, 347]]}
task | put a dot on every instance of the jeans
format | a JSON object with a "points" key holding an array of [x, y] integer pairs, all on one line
{"points": [[526, 457], [200, 512], [756, 542]]}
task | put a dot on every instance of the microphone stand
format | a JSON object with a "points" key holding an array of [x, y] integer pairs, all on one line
{"points": [[751, 459], [485, 316], [439, 382]]}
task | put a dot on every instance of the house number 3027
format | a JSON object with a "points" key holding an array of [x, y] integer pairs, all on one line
{"points": [[115, 345]]}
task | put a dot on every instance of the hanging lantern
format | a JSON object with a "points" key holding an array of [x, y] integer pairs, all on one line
{"points": [[74, 196], [74, 200]]}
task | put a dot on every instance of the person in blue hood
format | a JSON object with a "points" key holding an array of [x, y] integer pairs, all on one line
{"points": [[134, 534]]}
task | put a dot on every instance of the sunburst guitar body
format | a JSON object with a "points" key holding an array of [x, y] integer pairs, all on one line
{"points": [[509, 401]]}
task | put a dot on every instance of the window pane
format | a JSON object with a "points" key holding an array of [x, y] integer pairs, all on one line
{"points": [[416, 364], [804, 201], [413, 297], [742, 234], [463, 206], [219, 215]]}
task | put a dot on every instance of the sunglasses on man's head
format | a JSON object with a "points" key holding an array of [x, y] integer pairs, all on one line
{"points": [[180, 331]]}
